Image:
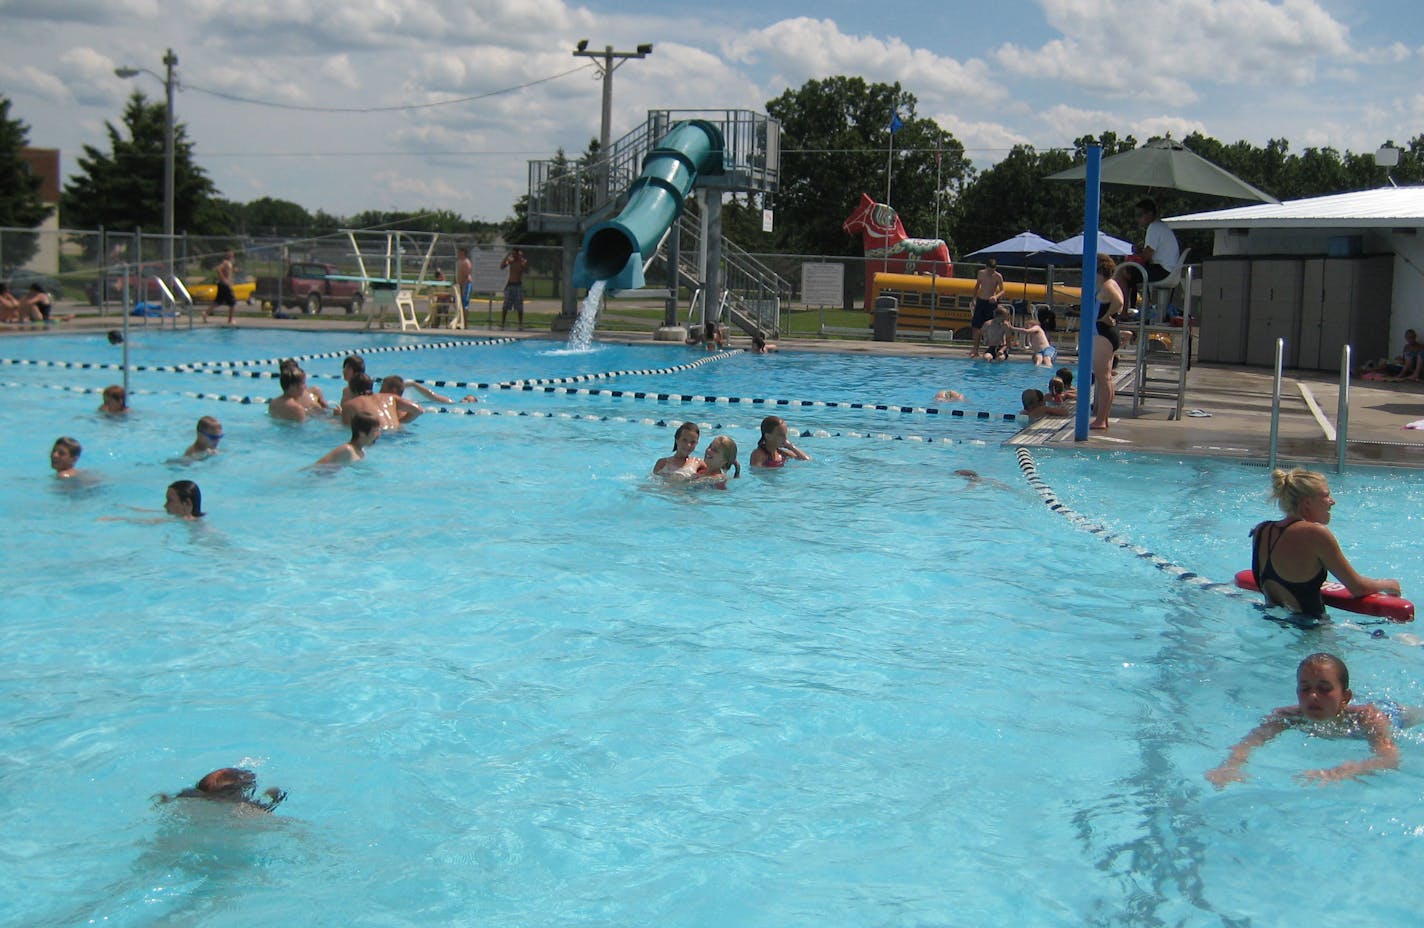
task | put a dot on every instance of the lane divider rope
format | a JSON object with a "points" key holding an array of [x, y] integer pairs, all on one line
{"points": [[458, 410], [216, 366]]}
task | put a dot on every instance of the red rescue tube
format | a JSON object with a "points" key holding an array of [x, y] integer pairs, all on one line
{"points": [[1380, 605]]}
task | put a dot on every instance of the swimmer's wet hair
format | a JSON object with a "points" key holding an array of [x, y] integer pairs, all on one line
{"points": [[1326, 659], [291, 376], [1065, 375], [188, 492], [360, 384], [725, 441], [68, 444], [1292, 487], [395, 383], [114, 391], [363, 422], [1056, 385], [1032, 399], [115, 337], [207, 422], [1106, 265], [683, 428], [355, 362]]}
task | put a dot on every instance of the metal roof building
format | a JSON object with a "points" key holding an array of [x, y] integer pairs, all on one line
{"points": [[1381, 226]]}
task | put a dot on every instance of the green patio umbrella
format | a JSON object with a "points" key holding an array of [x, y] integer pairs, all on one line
{"points": [[1170, 165]]}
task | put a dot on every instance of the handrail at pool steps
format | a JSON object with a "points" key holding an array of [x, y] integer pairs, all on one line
{"points": [[1342, 410], [1152, 332], [1276, 404]]}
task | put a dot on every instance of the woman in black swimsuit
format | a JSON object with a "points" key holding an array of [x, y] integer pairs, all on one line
{"points": [[1106, 343], [1290, 558]]}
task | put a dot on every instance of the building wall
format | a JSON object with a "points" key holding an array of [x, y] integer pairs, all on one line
{"points": [[1407, 303]]}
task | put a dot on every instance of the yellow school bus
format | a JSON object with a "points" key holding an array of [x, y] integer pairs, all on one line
{"points": [[943, 304]]}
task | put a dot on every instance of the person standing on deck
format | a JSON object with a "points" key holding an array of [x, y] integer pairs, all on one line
{"points": [[465, 277], [515, 263], [225, 295], [988, 290]]}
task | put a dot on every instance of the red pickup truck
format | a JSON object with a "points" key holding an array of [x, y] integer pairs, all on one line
{"points": [[309, 286]]}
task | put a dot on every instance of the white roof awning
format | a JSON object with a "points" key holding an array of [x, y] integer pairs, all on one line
{"points": [[1386, 207]]}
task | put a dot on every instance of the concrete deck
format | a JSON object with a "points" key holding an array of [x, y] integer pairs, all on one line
{"points": [[1237, 399]]}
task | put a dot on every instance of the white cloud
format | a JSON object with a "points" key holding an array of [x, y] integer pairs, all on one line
{"points": [[43, 85], [338, 68], [1066, 123], [983, 141], [1163, 50], [80, 11], [89, 75], [400, 187], [805, 48]]}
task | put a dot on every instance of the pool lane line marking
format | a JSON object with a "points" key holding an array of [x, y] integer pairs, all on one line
{"points": [[1030, 471], [207, 366], [1316, 411], [458, 410]]}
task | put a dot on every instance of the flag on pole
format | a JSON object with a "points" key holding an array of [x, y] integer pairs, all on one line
{"points": [[895, 124]]}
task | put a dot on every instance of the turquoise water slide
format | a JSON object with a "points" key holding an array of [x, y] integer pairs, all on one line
{"points": [[615, 250]]}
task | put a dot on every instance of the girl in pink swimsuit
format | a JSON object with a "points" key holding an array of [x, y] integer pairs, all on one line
{"points": [[774, 448]]}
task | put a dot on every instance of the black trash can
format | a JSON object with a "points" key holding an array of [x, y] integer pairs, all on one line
{"points": [[887, 316]]}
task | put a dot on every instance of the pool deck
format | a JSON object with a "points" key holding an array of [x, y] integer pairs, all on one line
{"points": [[1237, 401]]}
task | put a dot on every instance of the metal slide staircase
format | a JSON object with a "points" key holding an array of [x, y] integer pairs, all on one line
{"points": [[753, 292]]}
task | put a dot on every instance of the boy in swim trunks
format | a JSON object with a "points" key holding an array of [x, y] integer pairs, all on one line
{"points": [[1043, 351], [996, 336], [1323, 709]]}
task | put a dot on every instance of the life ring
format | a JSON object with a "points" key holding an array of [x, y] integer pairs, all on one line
{"points": [[1380, 605]]}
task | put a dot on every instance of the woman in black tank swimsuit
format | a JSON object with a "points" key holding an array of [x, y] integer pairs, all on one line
{"points": [[1110, 296], [1301, 544]]}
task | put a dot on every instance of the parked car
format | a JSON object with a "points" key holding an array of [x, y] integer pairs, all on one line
{"points": [[204, 290], [21, 279], [310, 285]]}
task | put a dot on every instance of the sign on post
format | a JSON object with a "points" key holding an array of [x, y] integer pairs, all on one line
{"points": [[822, 284], [486, 274]]}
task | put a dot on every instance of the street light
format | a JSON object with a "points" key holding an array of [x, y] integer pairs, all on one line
{"points": [[170, 60], [608, 61]]}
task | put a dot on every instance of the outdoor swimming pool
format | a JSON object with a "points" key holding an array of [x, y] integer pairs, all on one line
{"points": [[509, 679]]}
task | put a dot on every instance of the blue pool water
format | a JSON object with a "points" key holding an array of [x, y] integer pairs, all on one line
{"points": [[508, 679]]}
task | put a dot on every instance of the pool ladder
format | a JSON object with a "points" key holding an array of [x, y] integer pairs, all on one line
{"points": [[1342, 407]]}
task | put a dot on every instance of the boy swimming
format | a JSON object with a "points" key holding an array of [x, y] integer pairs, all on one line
{"points": [[1323, 709]]}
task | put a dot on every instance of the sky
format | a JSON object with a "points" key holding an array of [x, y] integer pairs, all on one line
{"points": [[1344, 73]]}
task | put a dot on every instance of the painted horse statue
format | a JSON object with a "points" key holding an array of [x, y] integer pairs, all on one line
{"points": [[894, 251]]}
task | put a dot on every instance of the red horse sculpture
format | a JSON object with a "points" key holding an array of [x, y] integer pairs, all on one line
{"points": [[894, 251]]}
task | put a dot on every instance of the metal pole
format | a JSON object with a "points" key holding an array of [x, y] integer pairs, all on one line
{"points": [[1276, 403], [124, 310], [169, 157], [1088, 310], [1342, 410], [605, 131]]}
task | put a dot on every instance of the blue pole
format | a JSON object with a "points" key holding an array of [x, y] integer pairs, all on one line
{"points": [[1088, 312]]}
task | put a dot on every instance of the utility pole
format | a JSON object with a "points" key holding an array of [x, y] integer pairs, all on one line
{"points": [[170, 61], [608, 61]]}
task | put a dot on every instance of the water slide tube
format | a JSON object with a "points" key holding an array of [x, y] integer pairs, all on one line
{"points": [[615, 250]]}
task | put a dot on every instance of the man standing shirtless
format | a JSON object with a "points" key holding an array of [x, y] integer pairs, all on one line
{"points": [[988, 290], [516, 263], [465, 277], [225, 295]]}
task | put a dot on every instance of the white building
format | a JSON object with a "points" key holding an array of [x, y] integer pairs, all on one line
{"points": [[1318, 272]]}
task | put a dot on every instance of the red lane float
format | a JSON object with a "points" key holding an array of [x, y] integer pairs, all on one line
{"points": [[1380, 605]]}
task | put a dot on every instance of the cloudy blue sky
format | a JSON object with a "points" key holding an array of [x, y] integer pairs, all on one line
{"points": [[1317, 72]]}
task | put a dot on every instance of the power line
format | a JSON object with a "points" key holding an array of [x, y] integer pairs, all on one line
{"points": [[382, 109]]}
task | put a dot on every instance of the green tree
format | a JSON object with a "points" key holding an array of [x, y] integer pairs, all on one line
{"points": [[835, 139], [1014, 196], [123, 187], [273, 216], [20, 203]]}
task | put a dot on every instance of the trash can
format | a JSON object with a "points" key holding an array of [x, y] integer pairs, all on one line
{"points": [[887, 314]]}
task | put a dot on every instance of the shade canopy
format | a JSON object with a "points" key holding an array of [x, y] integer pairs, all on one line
{"points": [[1107, 245], [1170, 165], [1021, 248]]}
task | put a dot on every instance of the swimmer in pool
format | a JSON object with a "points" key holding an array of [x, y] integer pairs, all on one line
{"points": [[312, 400], [681, 466], [721, 457], [397, 385], [1066, 375], [390, 411], [116, 401], [1291, 558], [1036, 406], [353, 365], [205, 444], [949, 396], [292, 405], [64, 458], [365, 429], [1323, 709], [183, 500], [774, 448], [229, 784]]}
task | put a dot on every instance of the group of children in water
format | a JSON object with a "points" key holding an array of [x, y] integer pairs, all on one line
{"points": [[773, 450]]}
